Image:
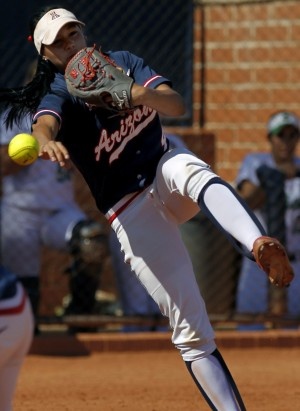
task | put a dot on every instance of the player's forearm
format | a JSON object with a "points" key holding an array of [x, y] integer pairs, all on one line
{"points": [[45, 131], [163, 99]]}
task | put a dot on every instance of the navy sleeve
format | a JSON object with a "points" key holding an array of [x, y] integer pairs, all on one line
{"points": [[54, 101], [136, 68]]}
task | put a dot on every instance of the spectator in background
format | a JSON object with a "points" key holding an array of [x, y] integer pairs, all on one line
{"points": [[270, 183], [16, 332], [38, 209]]}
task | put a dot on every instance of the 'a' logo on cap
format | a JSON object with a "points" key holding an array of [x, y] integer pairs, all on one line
{"points": [[54, 15]]}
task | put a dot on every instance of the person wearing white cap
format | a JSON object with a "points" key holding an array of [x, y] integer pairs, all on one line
{"points": [[270, 183], [146, 190], [49, 25]]}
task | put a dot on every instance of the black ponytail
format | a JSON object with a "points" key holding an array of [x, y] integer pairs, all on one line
{"points": [[24, 100]]}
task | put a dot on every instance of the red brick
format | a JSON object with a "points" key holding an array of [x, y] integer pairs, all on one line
{"points": [[290, 11], [252, 12], [238, 75], [220, 55], [219, 14], [272, 74], [272, 33]]}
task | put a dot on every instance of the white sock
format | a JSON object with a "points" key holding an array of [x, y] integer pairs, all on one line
{"points": [[214, 382], [231, 215]]}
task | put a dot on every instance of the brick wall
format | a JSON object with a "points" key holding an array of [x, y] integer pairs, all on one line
{"points": [[247, 65]]}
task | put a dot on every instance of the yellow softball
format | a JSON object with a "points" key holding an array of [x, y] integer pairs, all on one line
{"points": [[23, 149]]}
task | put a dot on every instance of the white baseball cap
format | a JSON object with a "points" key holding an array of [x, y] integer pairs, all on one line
{"points": [[280, 120], [49, 25]]}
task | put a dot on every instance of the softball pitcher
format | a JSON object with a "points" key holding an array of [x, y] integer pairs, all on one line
{"points": [[144, 189]]}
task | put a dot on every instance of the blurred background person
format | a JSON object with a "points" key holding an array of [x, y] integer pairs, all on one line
{"points": [[38, 209], [16, 333], [270, 183]]}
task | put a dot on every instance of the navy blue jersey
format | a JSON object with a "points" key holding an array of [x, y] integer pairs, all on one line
{"points": [[116, 154]]}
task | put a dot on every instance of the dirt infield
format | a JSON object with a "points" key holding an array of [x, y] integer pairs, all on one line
{"points": [[152, 379], [269, 380]]}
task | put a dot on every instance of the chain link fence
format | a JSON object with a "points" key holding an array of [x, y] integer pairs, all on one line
{"points": [[161, 32]]}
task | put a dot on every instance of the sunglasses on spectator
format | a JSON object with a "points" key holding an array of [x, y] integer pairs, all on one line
{"points": [[291, 135]]}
